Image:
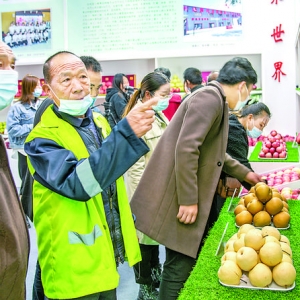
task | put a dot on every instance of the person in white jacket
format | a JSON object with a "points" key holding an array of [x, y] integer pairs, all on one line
{"points": [[148, 271]]}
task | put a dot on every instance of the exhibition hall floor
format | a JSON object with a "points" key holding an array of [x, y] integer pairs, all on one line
{"points": [[127, 289]]}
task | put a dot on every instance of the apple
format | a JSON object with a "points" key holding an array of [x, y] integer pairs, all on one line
{"points": [[268, 144], [268, 155], [272, 150], [275, 155], [262, 154], [265, 150], [282, 154], [275, 144], [298, 138], [273, 133], [279, 149]]}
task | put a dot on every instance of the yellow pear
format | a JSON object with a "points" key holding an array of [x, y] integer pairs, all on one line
{"points": [[231, 255], [229, 246], [270, 254], [244, 229], [284, 274], [281, 220], [274, 206], [239, 243], [260, 275], [271, 238], [230, 273], [254, 206], [249, 197], [239, 208], [246, 258], [270, 230], [287, 258], [284, 239], [286, 249], [254, 239], [234, 237], [263, 193], [262, 218]]}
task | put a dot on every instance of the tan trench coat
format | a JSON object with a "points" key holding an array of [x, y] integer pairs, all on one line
{"points": [[14, 238], [184, 170], [134, 174]]}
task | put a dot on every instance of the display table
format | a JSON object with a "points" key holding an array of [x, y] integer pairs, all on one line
{"points": [[203, 283]]}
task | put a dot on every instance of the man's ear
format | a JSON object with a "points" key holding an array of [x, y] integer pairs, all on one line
{"points": [[47, 90]]}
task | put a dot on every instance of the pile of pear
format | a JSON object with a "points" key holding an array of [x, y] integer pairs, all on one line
{"points": [[262, 206], [264, 253]]}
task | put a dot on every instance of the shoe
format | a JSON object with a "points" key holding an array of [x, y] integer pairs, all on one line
{"points": [[147, 292]]}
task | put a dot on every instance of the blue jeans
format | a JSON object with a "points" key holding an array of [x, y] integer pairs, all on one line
{"points": [[176, 271]]}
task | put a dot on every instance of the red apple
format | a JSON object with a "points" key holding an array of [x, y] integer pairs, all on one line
{"points": [[272, 150], [268, 155], [273, 132], [279, 149], [275, 144], [262, 154], [275, 154], [268, 144], [282, 154]]}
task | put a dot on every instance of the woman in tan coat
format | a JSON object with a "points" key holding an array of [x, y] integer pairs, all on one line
{"points": [[173, 199], [148, 271]]}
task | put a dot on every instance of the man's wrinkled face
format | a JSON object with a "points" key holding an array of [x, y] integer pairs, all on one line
{"points": [[69, 78]]}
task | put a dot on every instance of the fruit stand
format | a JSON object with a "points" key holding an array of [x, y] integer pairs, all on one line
{"points": [[203, 282]]}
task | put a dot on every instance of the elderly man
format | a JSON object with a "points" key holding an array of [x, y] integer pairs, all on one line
{"points": [[14, 239], [72, 164]]}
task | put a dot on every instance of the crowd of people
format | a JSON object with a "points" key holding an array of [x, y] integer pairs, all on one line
{"points": [[26, 34], [111, 187]]}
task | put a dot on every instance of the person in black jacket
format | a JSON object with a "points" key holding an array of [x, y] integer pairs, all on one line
{"points": [[116, 99], [192, 81], [250, 121]]}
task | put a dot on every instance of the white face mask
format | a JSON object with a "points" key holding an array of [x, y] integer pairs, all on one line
{"points": [[240, 104], [8, 87], [74, 107]]}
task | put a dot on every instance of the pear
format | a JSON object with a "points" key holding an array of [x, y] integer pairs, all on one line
{"points": [[239, 208], [254, 239], [246, 258], [281, 220], [234, 237], [284, 239], [270, 238], [229, 246], [248, 198], [254, 206], [230, 273], [230, 255], [262, 218], [239, 243], [270, 230], [286, 249], [284, 274], [243, 217], [260, 275], [263, 193], [244, 229], [274, 206], [270, 254], [287, 258]]}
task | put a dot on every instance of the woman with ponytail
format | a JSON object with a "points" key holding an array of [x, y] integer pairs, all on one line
{"points": [[148, 271]]}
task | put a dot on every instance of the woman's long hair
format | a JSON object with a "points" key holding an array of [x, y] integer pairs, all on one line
{"points": [[151, 83], [29, 84]]}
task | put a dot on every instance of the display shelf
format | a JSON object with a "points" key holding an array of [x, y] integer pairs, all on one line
{"points": [[203, 283]]}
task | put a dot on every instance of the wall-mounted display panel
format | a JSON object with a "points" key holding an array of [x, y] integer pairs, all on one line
{"points": [[34, 29]]}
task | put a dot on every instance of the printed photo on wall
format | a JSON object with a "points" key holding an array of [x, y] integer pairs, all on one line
{"points": [[212, 20], [27, 31]]}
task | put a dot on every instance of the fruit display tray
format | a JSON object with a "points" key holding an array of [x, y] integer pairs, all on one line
{"points": [[272, 158], [284, 228], [245, 284]]}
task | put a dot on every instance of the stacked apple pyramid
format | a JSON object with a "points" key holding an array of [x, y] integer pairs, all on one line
{"points": [[262, 206], [264, 253]]}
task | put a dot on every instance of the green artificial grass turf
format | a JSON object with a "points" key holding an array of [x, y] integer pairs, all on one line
{"points": [[292, 155], [203, 283]]}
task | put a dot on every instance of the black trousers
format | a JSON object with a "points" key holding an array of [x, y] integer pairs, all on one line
{"points": [[176, 271], [150, 260]]}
